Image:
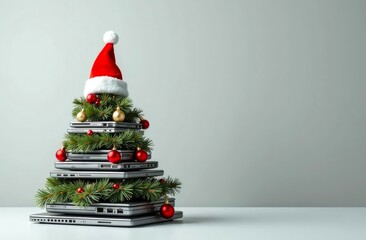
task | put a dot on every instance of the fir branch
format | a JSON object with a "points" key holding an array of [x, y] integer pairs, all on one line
{"points": [[108, 104], [171, 186], [53, 182], [152, 190], [130, 139], [125, 192], [124, 103], [52, 193], [81, 101], [43, 197], [93, 191], [133, 115], [101, 190]]}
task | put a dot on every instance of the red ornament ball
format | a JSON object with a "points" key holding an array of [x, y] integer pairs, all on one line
{"points": [[167, 210], [80, 190], [162, 181], [91, 98], [114, 156], [61, 154], [145, 124], [115, 186], [141, 155], [90, 132], [97, 102]]}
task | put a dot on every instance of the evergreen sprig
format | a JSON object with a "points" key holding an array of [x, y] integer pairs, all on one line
{"points": [[59, 190], [108, 104], [129, 139]]}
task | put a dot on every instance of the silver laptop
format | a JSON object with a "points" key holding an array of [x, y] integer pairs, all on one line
{"points": [[101, 221], [105, 166], [110, 209], [101, 155], [105, 124], [99, 130], [106, 174]]}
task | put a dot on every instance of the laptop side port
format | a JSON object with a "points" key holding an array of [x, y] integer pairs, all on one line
{"points": [[109, 210], [119, 210], [105, 166], [99, 210]]}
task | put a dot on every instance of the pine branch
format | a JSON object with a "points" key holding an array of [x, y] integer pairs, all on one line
{"points": [[102, 190], [108, 104], [81, 101], [130, 139], [133, 115], [52, 193], [93, 191], [43, 197], [53, 182], [171, 186], [152, 190], [125, 192]]}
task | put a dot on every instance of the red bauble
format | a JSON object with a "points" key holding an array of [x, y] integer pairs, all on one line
{"points": [[114, 156], [89, 132], [162, 181], [145, 124], [115, 186], [61, 154], [141, 155], [167, 210], [91, 98], [80, 190], [97, 102]]}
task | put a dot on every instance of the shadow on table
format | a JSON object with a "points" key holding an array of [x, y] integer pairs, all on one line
{"points": [[191, 220], [197, 219], [211, 219]]}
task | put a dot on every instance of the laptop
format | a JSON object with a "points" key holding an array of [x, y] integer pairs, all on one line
{"points": [[110, 209], [101, 155], [99, 130], [105, 124], [59, 218], [106, 174], [105, 166]]}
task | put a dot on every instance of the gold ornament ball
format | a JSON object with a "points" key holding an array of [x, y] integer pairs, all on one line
{"points": [[81, 116], [118, 115]]}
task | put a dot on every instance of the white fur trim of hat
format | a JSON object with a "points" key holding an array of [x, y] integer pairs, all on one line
{"points": [[105, 84]]}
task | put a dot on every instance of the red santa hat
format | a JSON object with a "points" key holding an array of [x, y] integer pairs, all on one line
{"points": [[105, 76]]}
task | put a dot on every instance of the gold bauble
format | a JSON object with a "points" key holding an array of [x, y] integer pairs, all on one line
{"points": [[81, 116], [118, 115]]}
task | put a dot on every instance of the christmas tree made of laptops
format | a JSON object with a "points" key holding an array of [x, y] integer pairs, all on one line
{"points": [[104, 167]]}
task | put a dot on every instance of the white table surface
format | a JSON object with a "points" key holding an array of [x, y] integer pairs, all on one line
{"points": [[204, 223]]}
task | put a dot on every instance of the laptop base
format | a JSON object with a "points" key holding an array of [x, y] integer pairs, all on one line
{"points": [[56, 218]]}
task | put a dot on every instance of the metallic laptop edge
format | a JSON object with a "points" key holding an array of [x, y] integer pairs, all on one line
{"points": [[106, 174], [100, 221], [110, 209]]}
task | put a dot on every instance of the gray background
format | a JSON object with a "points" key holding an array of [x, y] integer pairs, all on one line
{"points": [[251, 103]]}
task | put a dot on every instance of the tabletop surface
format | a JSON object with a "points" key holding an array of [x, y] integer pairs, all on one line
{"points": [[204, 223]]}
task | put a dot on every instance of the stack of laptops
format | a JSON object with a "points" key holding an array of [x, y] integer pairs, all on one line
{"points": [[95, 165]]}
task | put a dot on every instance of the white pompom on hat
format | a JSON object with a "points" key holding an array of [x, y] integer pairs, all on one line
{"points": [[110, 37], [105, 75]]}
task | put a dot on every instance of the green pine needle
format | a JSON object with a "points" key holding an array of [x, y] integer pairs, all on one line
{"points": [[65, 191], [108, 104], [130, 139]]}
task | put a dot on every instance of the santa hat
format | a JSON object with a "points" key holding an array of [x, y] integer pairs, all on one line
{"points": [[105, 76]]}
